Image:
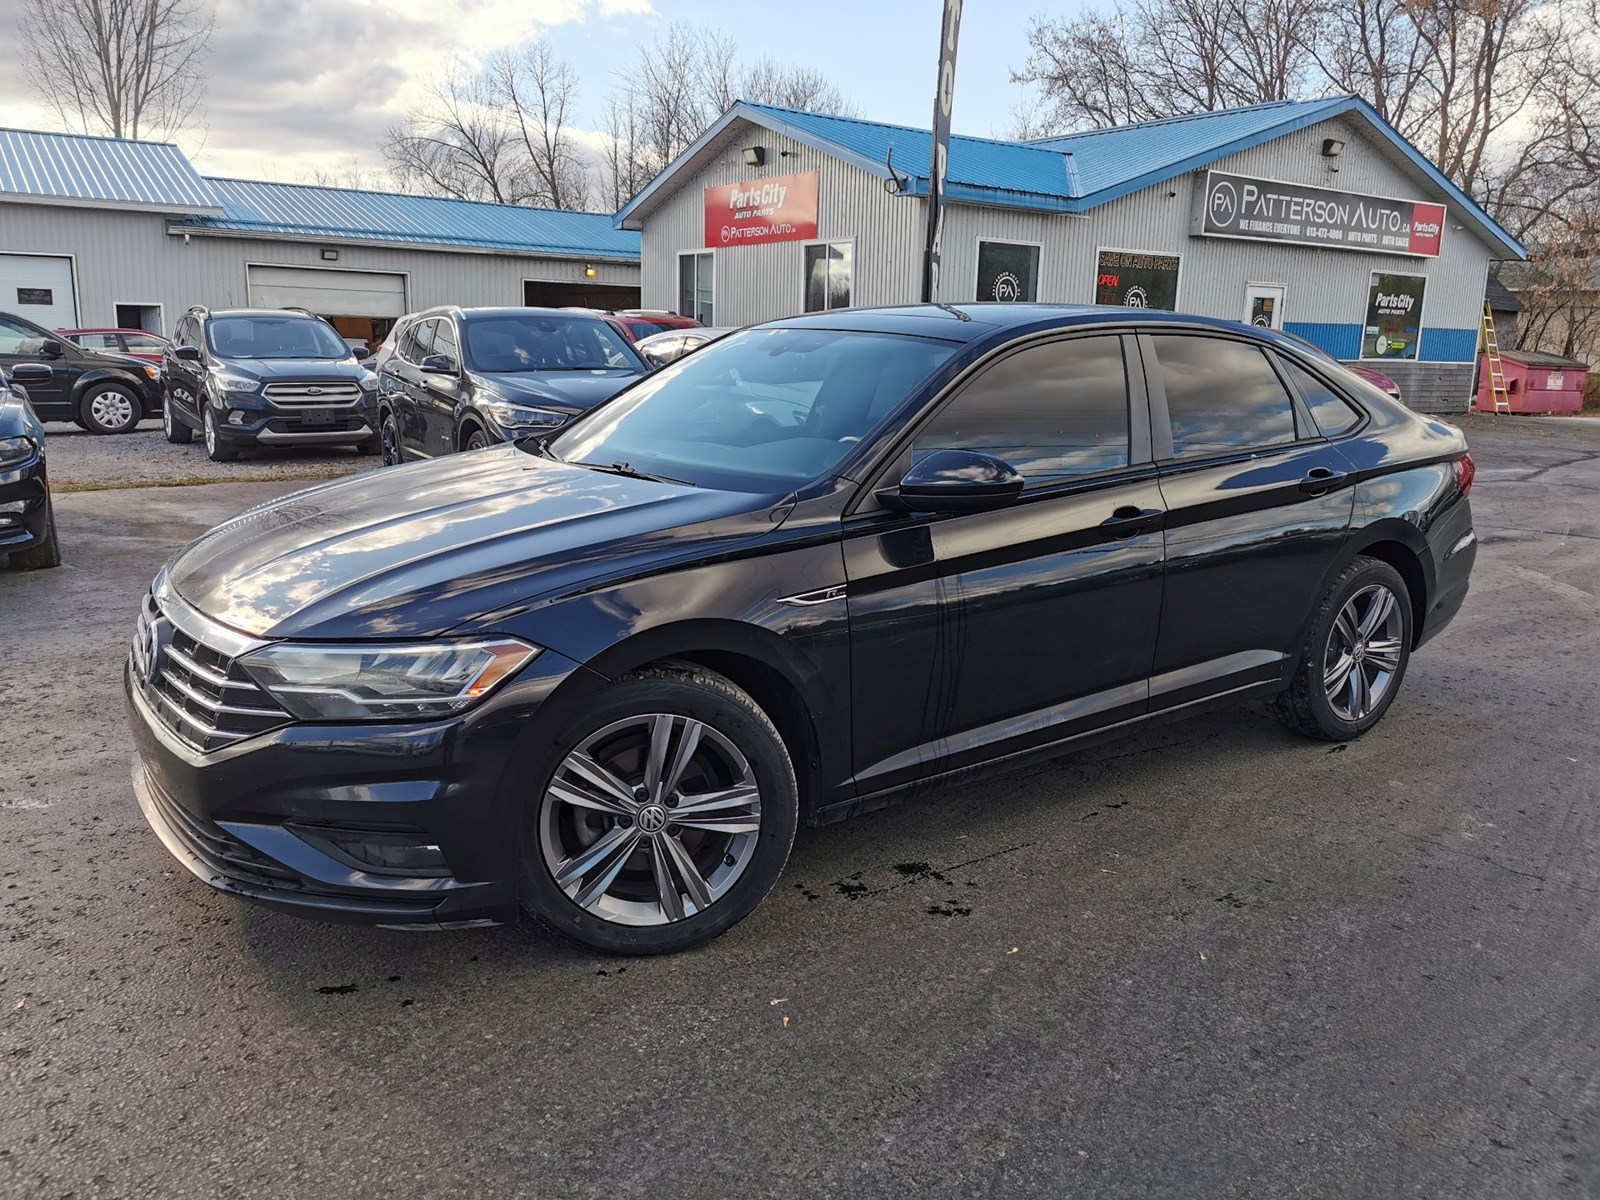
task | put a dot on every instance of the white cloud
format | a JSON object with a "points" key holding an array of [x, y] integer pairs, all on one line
{"points": [[305, 85]]}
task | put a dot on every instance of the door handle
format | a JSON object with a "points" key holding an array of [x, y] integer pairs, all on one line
{"points": [[1321, 479], [1129, 521]]}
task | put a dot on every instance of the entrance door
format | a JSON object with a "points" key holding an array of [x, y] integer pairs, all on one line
{"points": [[38, 288], [1263, 305]]}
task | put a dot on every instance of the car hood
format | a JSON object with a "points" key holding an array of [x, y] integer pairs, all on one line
{"points": [[417, 550], [571, 392], [297, 368]]}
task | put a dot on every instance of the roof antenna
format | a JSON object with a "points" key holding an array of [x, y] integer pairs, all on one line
{"points": [[896, 184]]}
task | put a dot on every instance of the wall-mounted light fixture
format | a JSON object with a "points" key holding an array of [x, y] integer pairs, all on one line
{"points": [[755, 156], [1332, 147], [330, 256], [589, 272]]}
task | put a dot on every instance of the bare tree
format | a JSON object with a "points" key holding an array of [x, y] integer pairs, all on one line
{"points": [[128, 68], [536, 91], [767, 81], [627, 163], [459, 143]]}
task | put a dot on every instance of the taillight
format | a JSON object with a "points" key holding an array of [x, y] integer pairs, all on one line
{"points": [[1466, 472]]}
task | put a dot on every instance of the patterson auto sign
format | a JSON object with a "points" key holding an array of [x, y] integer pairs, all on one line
{"points": [[780, 208], [1268, 210]]}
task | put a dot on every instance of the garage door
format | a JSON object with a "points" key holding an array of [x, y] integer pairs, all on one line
{"points": [[329, 293], [38, 287]]}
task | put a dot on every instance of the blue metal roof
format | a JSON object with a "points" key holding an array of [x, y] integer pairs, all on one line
{"points": [[102, 171], [302, 211], [1070, 174]]}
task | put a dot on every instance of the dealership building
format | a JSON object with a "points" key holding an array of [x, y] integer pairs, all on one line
{"points": [[1314, 217], [105, 232]]}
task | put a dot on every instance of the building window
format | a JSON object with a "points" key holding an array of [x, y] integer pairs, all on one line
{"points": [[1136, 279], [1393, 328], [1008, 271], [696, 283], [830, 268]]}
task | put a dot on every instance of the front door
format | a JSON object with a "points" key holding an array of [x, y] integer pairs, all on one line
{"points": [[1263, 305], [977, 635], [21, 343], [1258, 506], [440, 396]]}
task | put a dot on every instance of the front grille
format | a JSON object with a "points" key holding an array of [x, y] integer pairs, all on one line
{"points": [[312, 395], [200, 694], [220, 850]]}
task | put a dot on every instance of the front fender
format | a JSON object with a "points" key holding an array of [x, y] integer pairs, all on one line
{"points": [[146, 390]]}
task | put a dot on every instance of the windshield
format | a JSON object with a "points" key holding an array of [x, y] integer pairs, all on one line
{"points": [[546, 342], [760, 411], [274, 337]]}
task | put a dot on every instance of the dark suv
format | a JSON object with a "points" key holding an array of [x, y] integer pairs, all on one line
{"points": [[464, 378], [103, 393], [266, 377]]}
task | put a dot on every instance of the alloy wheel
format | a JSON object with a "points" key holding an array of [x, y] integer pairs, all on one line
{"points": [[650, 820], [1366, 650], [210, 423], [390, 434], [166, 419]]}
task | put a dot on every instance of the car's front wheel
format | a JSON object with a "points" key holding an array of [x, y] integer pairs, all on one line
{"points": [[217, 450], [44, 553], [109, 408], [1355, 656], [664, 818]]}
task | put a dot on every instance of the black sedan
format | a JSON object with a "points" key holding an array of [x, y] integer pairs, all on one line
{"points": [[27, 521], [103, 393], [467, 378], [818, 564]]}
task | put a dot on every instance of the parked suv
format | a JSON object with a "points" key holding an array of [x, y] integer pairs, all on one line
{"points": [[266, 377], [464, 378], [103, 393], [27, 521]]}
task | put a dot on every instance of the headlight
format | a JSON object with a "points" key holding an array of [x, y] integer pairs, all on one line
{"points": [[368, 381], [522, 416], [14, 451], [229, 382], [151, 372], [377, 682]]}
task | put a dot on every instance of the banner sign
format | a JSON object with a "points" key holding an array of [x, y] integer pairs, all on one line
{"points": [[1134, 279], [1241, 206], [780, 208], [1394, 316], [939, 163]]}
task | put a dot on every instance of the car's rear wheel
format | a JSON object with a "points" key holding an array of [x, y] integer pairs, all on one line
{"points": [[175, 430], [217, 450], [46, 552], [389, 436], [1355, 656], [109, 408], [666, 816]]}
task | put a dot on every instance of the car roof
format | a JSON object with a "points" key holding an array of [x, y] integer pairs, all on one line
{"points": [[293, 313], [445, 310], [113, 329]]}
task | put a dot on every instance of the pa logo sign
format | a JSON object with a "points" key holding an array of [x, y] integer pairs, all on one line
{"points": [[1224, 204]]}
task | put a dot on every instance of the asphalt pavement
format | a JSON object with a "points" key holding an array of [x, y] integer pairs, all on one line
{"points": [[1215, 960]]}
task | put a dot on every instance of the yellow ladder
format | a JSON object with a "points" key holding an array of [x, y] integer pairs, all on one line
{"points": [[1497, 372]]}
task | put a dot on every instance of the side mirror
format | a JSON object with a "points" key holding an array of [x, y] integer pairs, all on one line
{"points": [[51, 349], [954, 481], [30, 372], [187, 353], [437, 364], [360, 352]]}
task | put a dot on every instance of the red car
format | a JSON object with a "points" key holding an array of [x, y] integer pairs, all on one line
{"points": [[136, 343], [1376, 378]]}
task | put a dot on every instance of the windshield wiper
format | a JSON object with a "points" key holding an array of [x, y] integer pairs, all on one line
{"points": [[623, 469]]}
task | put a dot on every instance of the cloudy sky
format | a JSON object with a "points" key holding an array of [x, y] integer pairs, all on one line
{"points": [[305, 85]]}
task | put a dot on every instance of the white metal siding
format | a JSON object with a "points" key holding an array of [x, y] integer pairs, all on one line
{"points": [[329, 292], [33, 271]]}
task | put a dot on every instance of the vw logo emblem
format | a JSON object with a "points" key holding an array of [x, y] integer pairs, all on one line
{"points": [[1224, 204], [652, 818]]}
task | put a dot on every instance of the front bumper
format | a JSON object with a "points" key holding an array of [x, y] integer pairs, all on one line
{"points": [[264, 423], [231, 815], [24, 505]]}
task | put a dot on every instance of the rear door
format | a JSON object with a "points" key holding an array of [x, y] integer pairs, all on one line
{"points": [[411, 396], [439, 396], [1258, 506], [982, 634]]}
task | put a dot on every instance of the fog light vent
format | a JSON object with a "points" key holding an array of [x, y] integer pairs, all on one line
{"points": [[237, 417], [384, 853]]}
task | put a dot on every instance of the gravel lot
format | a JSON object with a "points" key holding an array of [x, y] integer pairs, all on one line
{"points": [[1212, 961], [82, 461]]}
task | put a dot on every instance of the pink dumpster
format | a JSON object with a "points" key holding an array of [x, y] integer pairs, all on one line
{"points": [[1535, 382]]}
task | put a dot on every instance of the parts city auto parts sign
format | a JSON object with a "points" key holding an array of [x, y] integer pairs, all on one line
{"points": [[1241, 206], [781, 208]]}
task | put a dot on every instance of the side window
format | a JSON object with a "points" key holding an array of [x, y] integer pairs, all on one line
{"points": [[1053, 412], [444, 342], [1329, 410], [18, 339], [1222, 396], [419, 341], [98, 341], [188, 332]]}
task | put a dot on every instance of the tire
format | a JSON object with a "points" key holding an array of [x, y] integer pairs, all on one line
{"points": [[44, 553], [476, 440], [389, 440], [216, 449], [1348, 674], [175, 430], [109, 408], [616, 901]]}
